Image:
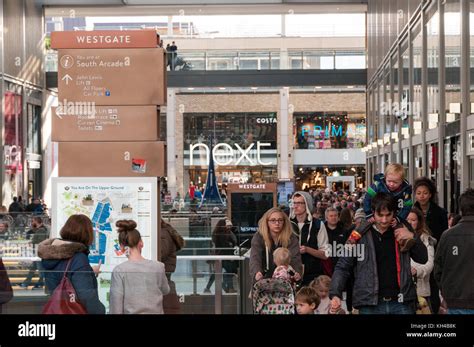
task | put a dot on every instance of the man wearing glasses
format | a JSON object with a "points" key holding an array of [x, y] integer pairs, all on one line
{"points": [[312, 234]]}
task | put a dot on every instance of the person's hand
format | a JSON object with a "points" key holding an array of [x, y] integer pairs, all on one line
{"points": [[413, 271], [258, 276], [335, 305], [96, 268], [302, 249], [297, 277], [371, 220], [403, 233], [394, 223]]}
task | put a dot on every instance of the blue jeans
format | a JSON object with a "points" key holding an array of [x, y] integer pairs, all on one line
{"points": [[36, 265], [460, 311], [388, 307]]}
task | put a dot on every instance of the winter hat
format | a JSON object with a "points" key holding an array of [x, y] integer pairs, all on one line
{"points": [[359, 214], [309, 204]]}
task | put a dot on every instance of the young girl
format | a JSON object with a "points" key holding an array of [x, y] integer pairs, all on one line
{"points": [[306, 300], [321, 284], [138, 285], [281, 258]]}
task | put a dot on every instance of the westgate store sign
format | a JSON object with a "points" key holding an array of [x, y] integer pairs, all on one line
{"points": [[225, 155], [104, 39]]}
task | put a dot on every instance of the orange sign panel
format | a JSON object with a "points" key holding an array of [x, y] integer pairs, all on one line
{"points": [[86, 122], [112, 159], [112, 77], [104, 39]]}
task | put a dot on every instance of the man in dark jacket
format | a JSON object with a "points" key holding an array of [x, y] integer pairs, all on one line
{"points": [[313, 238], [454, 260], [382, 274], [38, 234], [337, 235]]}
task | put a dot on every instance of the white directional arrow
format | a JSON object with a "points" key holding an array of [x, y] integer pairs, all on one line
{"points": [[67, 78]]}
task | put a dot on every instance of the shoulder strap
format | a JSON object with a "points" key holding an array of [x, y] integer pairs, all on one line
{"points": [[363, 227], [67, 267]]}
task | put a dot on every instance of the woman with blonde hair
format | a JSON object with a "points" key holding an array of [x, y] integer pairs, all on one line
{"points": [[274, 231]]}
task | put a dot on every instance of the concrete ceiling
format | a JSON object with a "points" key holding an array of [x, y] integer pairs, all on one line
{"points": [[188, 2], [103, 10]]}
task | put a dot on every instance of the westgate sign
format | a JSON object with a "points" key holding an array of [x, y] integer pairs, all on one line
{"points": [[104, 39], [224, 154]]}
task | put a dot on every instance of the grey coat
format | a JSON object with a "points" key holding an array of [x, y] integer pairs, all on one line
{"points": [[259, 255], [366, 282]]}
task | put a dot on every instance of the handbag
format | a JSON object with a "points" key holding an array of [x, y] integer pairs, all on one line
{"points": [[422, 306], [6, 291], [64, 298]]}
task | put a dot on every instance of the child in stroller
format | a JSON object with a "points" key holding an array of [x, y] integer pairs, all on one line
{"points": [[276, 295]]}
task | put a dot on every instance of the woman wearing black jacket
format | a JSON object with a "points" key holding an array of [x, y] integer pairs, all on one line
{"points": [[436, 219]]}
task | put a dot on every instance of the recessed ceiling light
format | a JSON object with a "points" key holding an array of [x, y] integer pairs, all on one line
{"points": [[222, 88], [350, 87], [318, 87], [190, 88], [254, 88]]}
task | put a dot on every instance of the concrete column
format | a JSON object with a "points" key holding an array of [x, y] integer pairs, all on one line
{"points": [[424, 94], [465, 92], [283, 25], [284, 61], [284, 146], [171, 141], [442, 105], [2, 99], [170, 26]]}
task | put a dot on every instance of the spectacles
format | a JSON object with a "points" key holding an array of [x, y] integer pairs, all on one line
{"points": [[274, 221], [299, 203]]}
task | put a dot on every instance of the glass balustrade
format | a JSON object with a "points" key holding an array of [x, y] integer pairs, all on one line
{"points": [[220, 60]]}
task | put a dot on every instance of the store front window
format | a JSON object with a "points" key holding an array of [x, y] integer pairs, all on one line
{"points": [[243, 146], [418, 152], [328, 130], [13, 148], [433, 160], [335, 178]]}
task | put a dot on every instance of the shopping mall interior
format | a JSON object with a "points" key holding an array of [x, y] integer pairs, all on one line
{"points": [[275, 96]]}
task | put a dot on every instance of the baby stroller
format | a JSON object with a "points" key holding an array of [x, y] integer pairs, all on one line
{"points": [[273, 296]]}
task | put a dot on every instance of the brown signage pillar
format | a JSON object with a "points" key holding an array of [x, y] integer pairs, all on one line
{"points": [[111, 85]]}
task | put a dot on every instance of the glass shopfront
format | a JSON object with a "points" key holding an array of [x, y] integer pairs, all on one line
{"points": [[328, 130], [243, 146], [335, 178]]}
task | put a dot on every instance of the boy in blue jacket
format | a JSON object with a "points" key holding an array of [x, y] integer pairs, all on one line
{"points": [[394, 183]]}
